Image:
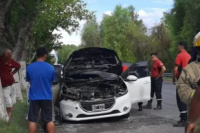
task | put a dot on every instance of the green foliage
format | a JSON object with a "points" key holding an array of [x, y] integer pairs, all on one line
{"points": [[183, 22], [91, 34], [65, 14], [18, 16], [123, 32], [37, 19], [18, 123], [161, 43], [64, 52], [61, 13]]}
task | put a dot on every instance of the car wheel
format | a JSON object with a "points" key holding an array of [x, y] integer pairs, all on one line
{"points": [[126, 116], [61, 120]]}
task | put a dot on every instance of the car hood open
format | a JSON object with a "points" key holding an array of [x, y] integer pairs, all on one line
{"points": [[94, 59]]}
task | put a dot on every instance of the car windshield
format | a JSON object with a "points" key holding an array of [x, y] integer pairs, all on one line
{"points": [[92, 61]]}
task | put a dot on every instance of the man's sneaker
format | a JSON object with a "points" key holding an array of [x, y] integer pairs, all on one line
{"points": [[148, 106], [180, 123], [158, 108]]}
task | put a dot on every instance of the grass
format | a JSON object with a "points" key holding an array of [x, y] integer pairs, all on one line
{"points": [[167, 79], [18, 123]]}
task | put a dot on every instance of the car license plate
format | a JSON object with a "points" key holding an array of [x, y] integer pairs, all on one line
{"points": [[98, 107]]}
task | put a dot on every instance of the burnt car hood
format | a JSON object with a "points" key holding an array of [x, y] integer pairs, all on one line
{"points": [[92, 76], [93, 59]]}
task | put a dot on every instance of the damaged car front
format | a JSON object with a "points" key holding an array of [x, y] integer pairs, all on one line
{"points": [[92, 87]]}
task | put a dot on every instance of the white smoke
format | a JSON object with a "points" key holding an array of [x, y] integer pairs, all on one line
{"points": [[54, 53]]}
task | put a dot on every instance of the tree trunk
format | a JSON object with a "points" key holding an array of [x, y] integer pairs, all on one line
{"points": [[3, 113], [4, 7], [22, 75], [18, 87], [24, 55], [26, 23], [22, 41], [2, 19]]}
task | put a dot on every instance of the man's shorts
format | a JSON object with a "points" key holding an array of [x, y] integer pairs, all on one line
{"points": [[9, 95], [46, 107]]}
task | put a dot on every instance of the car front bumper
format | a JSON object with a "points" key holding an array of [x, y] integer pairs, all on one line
{"points": [[72, 111]]}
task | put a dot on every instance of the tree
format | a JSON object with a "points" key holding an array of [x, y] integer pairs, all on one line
{"points": [[18, 23], [90, 35], [4, 8], [183, 22], [124, 33], [29, 24], [64, 52], [160, 43]]}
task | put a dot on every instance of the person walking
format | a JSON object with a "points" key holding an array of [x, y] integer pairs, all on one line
{"points": [[40, 75], [188, 87], [6, 73], [182, 60], [157, 72]]}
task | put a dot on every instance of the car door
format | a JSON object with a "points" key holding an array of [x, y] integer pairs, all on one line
{"points": [[56, 83], [139, 87]]}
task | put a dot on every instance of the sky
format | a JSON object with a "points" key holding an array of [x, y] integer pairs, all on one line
{"points": [[150, 11]]}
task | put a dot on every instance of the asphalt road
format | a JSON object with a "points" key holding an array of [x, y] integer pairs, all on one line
{"points": [[147, 121]]}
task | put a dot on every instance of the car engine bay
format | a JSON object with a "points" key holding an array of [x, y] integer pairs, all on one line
{"points": [[92, 86]]}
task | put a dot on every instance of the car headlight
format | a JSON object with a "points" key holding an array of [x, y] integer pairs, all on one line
{"points": [[69, 94], [121, 90]]}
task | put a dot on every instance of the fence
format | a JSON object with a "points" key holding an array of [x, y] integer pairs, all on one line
{"points": [[168, 75]]}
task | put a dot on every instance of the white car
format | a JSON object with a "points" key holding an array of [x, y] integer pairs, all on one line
{"points": [[94, 86]]}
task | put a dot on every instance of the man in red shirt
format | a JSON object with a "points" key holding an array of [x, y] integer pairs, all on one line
{"points": [[182, 60], [157, 72], [7, 80]]}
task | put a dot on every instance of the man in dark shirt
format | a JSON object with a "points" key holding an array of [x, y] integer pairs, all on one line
{"points": [[7, 80], [40, 75]]}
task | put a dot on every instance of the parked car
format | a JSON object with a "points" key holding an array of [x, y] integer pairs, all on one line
{"points": [[94, 87]]}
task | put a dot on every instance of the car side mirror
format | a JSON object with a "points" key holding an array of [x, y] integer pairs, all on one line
{"points": [[131, 78]]}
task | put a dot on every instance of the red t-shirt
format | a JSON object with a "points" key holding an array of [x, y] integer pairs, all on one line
{"points": [[124, 68], [182, 60], [6, 71], [156, 68]]}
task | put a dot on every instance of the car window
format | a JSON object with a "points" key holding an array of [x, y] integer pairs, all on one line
{"points": [[138, 70], [58, 70]]}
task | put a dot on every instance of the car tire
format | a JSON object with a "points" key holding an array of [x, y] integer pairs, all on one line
{"points": [[126, 116], [61, 120]]}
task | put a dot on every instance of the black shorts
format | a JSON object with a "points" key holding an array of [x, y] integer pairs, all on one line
{"points": [[46, 107]]}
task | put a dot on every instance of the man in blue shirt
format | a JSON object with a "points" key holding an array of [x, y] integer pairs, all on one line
{"points": [[40, 75]]}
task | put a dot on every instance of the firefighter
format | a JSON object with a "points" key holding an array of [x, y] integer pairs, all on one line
{"points": [[157, 72], [187, 84], [182, 60]]}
